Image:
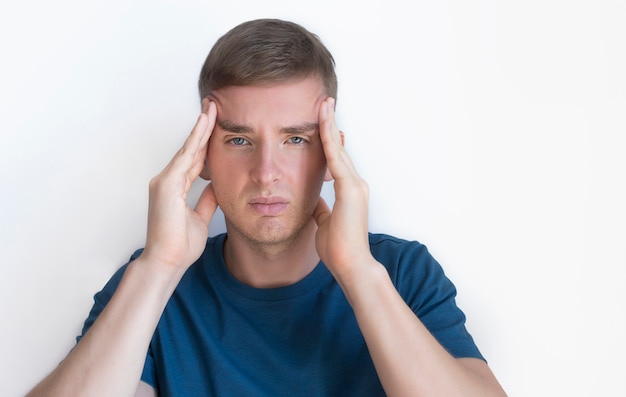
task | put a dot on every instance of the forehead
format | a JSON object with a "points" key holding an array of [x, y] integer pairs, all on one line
{"points": [[285, 102]]}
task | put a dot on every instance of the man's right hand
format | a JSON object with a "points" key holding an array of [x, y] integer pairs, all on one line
{"points": [[176, 233], [109, 358]]}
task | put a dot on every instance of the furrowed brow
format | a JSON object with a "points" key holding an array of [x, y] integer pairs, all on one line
{"points": [[233, 127], [300, 128]]}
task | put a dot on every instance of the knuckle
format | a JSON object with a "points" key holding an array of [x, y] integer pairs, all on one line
{"points": [[156, 183], [152, 185]]}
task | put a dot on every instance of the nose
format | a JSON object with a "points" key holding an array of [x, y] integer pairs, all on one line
{"points": [[266, 166]]}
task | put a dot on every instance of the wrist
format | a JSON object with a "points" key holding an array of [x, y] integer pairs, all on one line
{"points": [[365, 276], [157, 275]]}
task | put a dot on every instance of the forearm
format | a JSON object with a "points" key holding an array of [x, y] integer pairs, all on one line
{"points": [[109, 359], [408, 359]]}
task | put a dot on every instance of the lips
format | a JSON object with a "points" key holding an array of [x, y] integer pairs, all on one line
{"points": [[268, 206]]}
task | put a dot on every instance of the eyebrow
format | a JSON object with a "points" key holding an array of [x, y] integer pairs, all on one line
{"points": [[300, 128], [233, 127]]}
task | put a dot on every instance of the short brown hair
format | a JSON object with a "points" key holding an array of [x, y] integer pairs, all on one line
{"points": [[266, 51]]}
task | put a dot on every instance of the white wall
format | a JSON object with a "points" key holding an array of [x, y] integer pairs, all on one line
{"points": [[491, 131]]}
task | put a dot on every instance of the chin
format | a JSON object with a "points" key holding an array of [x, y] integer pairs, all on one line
{"points": [[271, 234]]}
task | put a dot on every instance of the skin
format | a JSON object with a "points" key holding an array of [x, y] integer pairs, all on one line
{"points": [[266, 164], [266, 175], [109, 359]]}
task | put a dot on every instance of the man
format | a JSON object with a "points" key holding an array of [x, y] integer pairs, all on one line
{"points": [[296, 298]]}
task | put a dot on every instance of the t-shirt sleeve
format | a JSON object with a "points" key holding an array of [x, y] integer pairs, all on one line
{"points": [[421, 282], [101, 299]]}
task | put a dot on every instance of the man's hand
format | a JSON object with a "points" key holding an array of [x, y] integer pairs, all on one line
{"points": [[342, 239], [109, 358], [408, 359], [176, 233]]}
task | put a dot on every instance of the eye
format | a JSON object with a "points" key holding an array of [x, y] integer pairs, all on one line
{"points": [[237, 141], [297, 140]]}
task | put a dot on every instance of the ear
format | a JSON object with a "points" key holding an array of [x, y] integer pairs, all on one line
{"points": [[328, 176]]}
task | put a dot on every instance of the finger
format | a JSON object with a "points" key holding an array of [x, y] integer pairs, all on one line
{"points": [[338, 161], [202, 152], [186, 155], [331, 136], [204, 129], [321, 212], [203, 165], [207, 204], [194, 148]]}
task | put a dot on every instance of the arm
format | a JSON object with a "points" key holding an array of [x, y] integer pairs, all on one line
{"points": [[408, 359], [109, 359], [145, 390]]}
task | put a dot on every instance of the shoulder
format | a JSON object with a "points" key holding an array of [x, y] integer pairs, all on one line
{"points": [[410, 265], [213, 248], [385, 242], [396, 253]]}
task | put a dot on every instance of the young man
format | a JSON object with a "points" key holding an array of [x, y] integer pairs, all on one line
{"points": [[295, 299]]}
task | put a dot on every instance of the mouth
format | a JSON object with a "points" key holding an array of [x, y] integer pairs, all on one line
{"points": [[268, 206]]}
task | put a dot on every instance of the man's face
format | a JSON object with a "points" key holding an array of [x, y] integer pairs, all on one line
{"points": [[265, 159]]}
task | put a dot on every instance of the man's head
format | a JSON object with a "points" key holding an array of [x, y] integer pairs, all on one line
{"points": [[266, 51], [269, 80]]}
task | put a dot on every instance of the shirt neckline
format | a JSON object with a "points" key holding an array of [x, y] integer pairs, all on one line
{"points": [[309, 283]]}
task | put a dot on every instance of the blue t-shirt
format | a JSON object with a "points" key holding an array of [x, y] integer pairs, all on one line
{"points": [[219, 337]]}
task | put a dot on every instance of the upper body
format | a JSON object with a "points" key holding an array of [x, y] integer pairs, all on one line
{"points": [[267, 140], [218, 336]]}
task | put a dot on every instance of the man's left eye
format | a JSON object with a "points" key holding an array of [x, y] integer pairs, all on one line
{"points": [[297, 140]]}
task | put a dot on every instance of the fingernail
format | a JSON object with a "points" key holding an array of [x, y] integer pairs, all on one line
{"points": [[328, 108]]}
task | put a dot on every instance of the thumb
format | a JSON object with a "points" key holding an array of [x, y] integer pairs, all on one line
{"points": [[207, 204], [321, 212]]}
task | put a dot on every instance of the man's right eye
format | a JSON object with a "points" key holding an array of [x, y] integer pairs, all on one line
{"points": [[238, 141]]}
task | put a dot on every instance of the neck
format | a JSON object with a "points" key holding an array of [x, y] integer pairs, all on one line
{"points": [[275, 265]]}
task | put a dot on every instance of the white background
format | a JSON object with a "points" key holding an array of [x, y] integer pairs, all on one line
{"points": [[493, 132]]}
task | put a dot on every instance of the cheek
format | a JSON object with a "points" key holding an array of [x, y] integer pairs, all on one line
{"points": [[318, 165], [222, 173], [310, 169], [217, 162]]}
